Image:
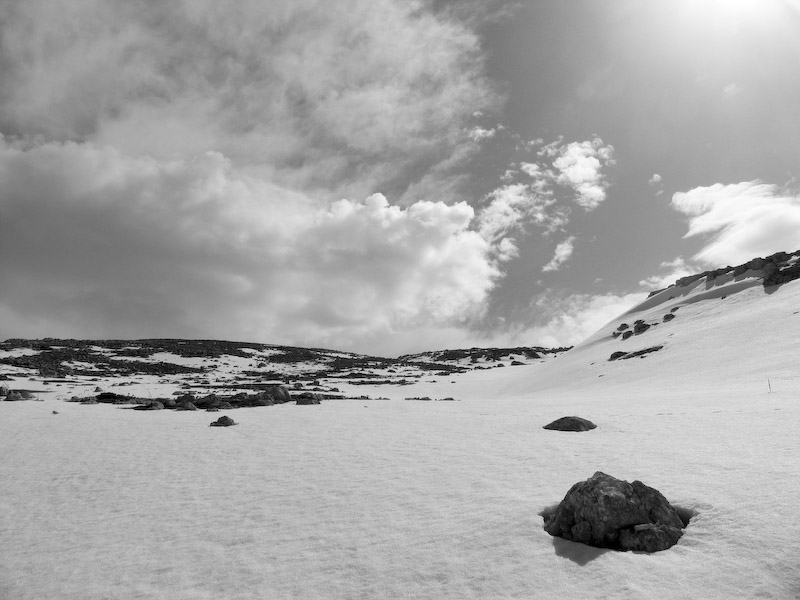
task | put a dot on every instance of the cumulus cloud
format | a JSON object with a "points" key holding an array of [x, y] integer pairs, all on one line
{"points": [[580, 165], [178, 168], [740, 221], [561, 255], [97, 242]]}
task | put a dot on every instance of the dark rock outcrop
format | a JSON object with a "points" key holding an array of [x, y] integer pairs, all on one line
{"points": [[570, 424], [154, 405], [279, 393], [223, 421], [611, 513], [308, 398]]}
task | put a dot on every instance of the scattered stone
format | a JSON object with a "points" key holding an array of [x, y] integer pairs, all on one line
{"points": [[223, 421], [623, 327], [616, 355], [627, 334], [55, 412], [607, 512], [669, 317], [640, 327], [570, 424], [4, 389]]}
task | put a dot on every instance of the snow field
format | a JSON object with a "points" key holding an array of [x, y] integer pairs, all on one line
{"points": [[390, 499]]}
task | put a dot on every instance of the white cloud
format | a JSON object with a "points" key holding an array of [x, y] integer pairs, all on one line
{"points": [[740, 221], [580, 166], [567, 319], [655, 182], [510, 210], [478, 134], [675, 269], [562, 254], [98, 243]]}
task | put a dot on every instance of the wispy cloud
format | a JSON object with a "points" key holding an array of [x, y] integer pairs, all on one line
{"points": [[510, 210], [540, 194], [671, 272], [740, 220], [562, 254]]}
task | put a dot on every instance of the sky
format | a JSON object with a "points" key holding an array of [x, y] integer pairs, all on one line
{"points": [[385, 176]]}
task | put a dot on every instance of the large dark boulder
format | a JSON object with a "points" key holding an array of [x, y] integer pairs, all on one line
{"points": [[570, 424], [223, 421], [607, 512]]}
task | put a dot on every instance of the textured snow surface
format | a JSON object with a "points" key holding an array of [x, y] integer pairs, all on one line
{"points": [[397, 499]]}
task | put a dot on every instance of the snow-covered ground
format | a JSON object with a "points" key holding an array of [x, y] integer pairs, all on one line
{"points": [[402, 499]]}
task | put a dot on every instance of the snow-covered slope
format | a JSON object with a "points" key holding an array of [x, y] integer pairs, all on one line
{"points": [[724, 331]]}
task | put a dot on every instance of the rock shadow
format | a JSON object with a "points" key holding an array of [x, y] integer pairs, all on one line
{"points": [[685, 514], [580, 554]]}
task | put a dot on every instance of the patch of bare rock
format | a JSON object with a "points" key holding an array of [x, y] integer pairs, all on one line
{"points": [[607, 512]]}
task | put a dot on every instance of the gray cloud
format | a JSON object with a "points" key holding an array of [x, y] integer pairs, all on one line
{"points": [[178, 168], [310, 94]]}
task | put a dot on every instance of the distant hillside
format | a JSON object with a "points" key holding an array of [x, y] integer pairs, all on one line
{"points": [[203, 365]]}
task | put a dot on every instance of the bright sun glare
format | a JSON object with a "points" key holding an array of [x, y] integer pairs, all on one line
{"points": [[734, 14]]}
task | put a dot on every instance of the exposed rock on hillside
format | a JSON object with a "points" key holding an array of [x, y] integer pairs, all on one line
{"points": [[776, 269]]}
